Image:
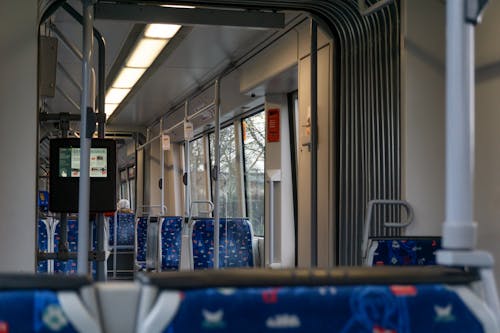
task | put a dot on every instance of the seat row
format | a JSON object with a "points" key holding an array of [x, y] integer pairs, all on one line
{"points": [[235, 248], [381, 299], [158, 242]]}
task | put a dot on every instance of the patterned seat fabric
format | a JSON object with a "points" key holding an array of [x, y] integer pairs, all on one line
{"points": [[406, 252], [343, 309], [32, 311], [43, 245], [235, 248], [125, 232], [142, 235], [171, 239], [70, 266]]}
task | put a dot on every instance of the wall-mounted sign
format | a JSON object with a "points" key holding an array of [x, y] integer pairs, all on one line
{"points": [[165, 141], [273, 125]]}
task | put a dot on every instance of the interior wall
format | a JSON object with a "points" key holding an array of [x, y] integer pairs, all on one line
{"points": [[18, 134], [326, 229], [423, 98]]}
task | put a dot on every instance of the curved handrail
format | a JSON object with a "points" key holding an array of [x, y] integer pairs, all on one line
{"points": [[369, 217]]}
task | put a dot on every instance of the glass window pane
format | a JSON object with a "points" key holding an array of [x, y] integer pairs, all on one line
{"points": [[254, 134], [228, 172], [198, 176]]}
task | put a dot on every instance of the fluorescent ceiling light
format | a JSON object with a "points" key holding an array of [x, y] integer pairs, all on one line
{"points": [[178, 6], [109, 109], [116, 96], [128, 77], [146, 52], [161, 30]]}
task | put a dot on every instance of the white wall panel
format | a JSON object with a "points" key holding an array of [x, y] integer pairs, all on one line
{"points": [[18, 134]]}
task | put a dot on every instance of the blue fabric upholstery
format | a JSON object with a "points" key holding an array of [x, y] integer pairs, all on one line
{"points": [[345, 309], [32, 311], [235, 249], [171, 239], [126, 229], [406, 251], [43, 245], [142, 236], [67, 267], [43, 201]]}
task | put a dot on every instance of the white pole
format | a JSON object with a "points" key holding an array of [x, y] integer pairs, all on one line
{"points": [[459, 231], [85, 140], [216, 175]]}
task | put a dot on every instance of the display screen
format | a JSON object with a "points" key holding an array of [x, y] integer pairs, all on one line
{"points": [[69, 162]]}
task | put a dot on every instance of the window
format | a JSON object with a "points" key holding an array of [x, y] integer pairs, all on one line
{"points": [[228, 176], [253, 132], [198, 176]]}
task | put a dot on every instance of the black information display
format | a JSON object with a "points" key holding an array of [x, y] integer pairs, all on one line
{"points": [[65, 173]]}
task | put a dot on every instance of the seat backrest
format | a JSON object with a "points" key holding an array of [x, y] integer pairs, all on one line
{"points": [[141, 239], [235, 247], [171, 239], [403, 251], [45, 303], [43, 245], [318, 309], [70, 266], [125, 230]]}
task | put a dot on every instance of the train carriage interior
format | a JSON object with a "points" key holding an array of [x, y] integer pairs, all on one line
{"points": [[250, 166]]}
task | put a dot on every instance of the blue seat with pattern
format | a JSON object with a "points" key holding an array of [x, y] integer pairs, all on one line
{"points": [[141, 242], [235, 248], [171, 239], [403, 251], [70, 266], [43, 245], [431, 308], [125, 231]]}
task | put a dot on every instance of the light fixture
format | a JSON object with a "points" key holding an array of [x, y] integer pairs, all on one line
{"points": [[116, 95], [128, 77], [153, 40], [110, 108], [178, 6], [161, 30], [146, 52]]}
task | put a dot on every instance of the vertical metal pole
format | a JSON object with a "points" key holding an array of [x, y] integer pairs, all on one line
{"points": [[216, 173], [162, 165], [459, 230], [187, 166], [314, 144], [85, 139]]}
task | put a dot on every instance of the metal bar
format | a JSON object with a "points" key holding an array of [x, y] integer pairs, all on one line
{"points": [[170, 129], [314, 144], [200, 111], [115, 243], [459, 230], [69, 76], [68, 98], [162, 165], [72, 47], [85, 141], [216, 173], [192, 16], [271, 224], [101, 78], [187, 167], [147, 143]]}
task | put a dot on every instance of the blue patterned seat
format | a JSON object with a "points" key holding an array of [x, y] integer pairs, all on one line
{"points": [[43, 245], [404, 251], [141, 242], [432, 308], [171, 238], [235, 248], [125, 231], [70, 266]]}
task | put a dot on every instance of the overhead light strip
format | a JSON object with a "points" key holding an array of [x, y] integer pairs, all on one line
{"points": [[154, 39]]}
